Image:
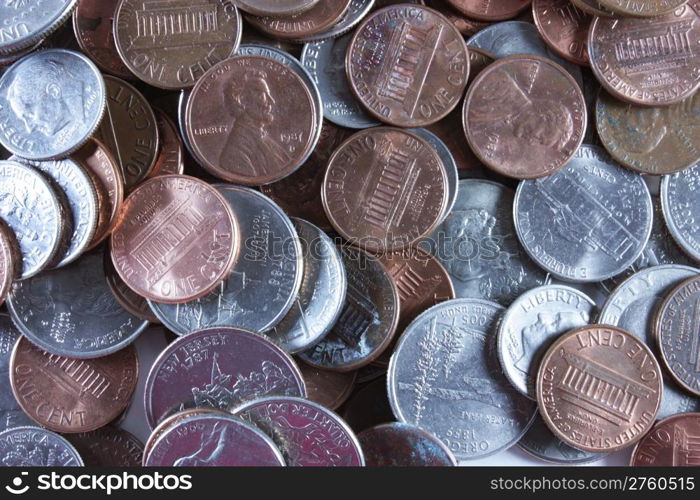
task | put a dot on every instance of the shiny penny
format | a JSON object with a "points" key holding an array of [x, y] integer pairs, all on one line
{"points": [[672, 442], [402, 445], [408, 65], [177, 241], [327, 388], [524, 116], [315, 20], [397, 168], [171, 158], [31, 446], [280, 8], [72, 395], [10, 260], [490, 11], [599, 388], [108, 447], [564, 28], [269, 126]]}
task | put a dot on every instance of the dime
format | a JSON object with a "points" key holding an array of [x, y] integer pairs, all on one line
{"points": [[635, 62], [357, 11], [171, 156], [72, 395], [540, 442], [213, 440], [92, 24], [529, 326], [11, 415], [325, 62], [368, 321], [218, 368], [108, 447], [280, 8], [524, 117], [679, 201], [677, 331], [369, 404], [316, 20], [321, 296], [30, 207], [306, 433], [127, 298], [564, 28], [270, 125], [81, 196], [328, 388], [403, 193], [407, 65], [129, 131], [672, 442], [599, 388], [109, 184], [178, 239], [36, 447], [478, 246], [172, 45], [50, 103], [642, 8], [27, 22], [490, 11], [402, 445], [261, 289], [10, 260], [444, 378]]}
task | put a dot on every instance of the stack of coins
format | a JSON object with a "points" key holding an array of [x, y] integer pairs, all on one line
{"points": [[372, 232]]}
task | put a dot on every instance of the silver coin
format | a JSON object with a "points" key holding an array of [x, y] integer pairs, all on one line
{"points": [[448, 161], [81, 197], [530, 325], [444, 377], [357, 10], [518, 37], [181, 107], [11, 415], [477, 245], [540, 442], [36, 447], [368, 320], [325, 62], [632, 306], [71, 311], [8, 59], [25, 22], [51, 102], [397, 444], [681, 208], [321, 296], [30, 206], [262, 287], [307, 434], [587, 222]]}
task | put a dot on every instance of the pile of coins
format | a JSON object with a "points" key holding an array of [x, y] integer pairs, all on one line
{"points": [[372, 232]]}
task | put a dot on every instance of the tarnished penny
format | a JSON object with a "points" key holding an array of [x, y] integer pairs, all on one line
{"points": [[328, 388], [650, 62], [72, 395], [268, 123], [171, 44], [641, 8], [677, 331], [280, 8], [655, 140], [564, 28], [524, 116], [593, 7], [490, 11], [672, 442], [171, 158], [403, 445], [385, 188], [315, 20], [92, 24], [599, 388], [10, 260], [108, 447], [177, 240], [127, 298], [408, 65]]}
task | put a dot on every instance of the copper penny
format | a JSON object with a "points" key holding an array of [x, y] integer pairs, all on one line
{"points": [[385, 188], [10, 260], [176, 241], [656, 140], [641, 8], [672, 442], [315, 20], [593, 7], [599, 388], [328, 388], [251, 120], [524, 116], [651, 62], [171, 44], [108, 447], [490, 11], [408, 65], [171, 158], [92, 24], [109, 181], [127, 298], [466, 26], [276, 7], [564, 28], [72, 395]]}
